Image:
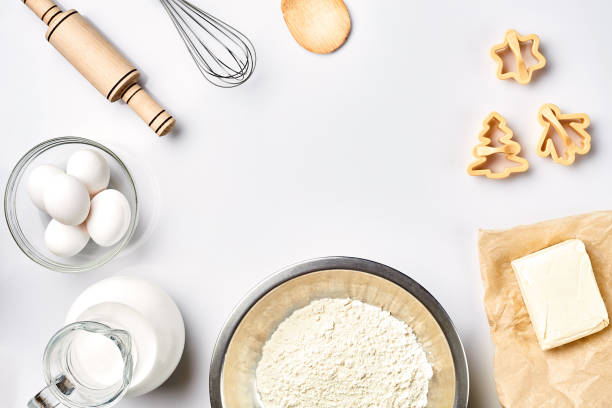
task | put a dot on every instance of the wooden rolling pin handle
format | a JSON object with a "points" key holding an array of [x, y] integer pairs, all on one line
{"points": [[160, 121], [46, 10]]}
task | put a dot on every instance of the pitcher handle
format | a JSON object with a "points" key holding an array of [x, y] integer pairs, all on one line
{"points": [[46, 399]]}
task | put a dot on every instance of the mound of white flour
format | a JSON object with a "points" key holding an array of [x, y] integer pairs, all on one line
{"points": [[343, 353]]}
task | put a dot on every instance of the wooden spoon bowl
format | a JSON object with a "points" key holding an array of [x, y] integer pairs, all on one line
{"points": [[320, 26]]}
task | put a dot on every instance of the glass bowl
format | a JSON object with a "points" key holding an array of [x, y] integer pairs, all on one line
{"points": [[27, 223], [239, 346]]}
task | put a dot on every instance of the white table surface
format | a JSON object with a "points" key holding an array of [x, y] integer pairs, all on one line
{"points": [[359, 153]]}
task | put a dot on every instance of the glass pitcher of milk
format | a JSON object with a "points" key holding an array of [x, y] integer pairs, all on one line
{"points": [[86, 364], [125, 336]]}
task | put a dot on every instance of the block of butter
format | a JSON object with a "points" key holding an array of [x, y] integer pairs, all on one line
{"points": [[561, 294]]}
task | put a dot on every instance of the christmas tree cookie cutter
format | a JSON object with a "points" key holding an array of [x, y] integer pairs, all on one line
{"points": [[553, 120], [513, 41], [486, 148]]}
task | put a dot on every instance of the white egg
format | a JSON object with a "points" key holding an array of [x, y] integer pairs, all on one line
{"points": [[90, 168], [67, 200], [109, 217], [38, 181], [65, 240]]}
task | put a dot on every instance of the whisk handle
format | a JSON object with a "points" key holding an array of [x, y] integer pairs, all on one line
{"points": [[151, 112]]}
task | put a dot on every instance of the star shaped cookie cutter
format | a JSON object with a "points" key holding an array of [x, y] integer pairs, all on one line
{"points": [[486, 148], [513, 41], [549, 116]]}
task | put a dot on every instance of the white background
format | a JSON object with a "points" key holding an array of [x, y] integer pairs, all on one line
{"points": [[362, 152]]}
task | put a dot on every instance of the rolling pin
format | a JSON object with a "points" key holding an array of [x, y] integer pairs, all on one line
{"points": [[99, 62]]}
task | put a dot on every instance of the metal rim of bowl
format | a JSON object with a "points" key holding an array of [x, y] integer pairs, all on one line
{"points": [[348, 263], [13, 224]]}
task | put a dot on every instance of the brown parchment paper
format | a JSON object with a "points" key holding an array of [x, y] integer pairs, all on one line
{"points": [[578, 374]]}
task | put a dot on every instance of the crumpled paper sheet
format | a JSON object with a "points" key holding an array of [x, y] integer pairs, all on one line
{"points": [[578, 374]]}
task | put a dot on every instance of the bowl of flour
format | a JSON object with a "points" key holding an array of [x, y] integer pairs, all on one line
{"points": [[338, 332]]}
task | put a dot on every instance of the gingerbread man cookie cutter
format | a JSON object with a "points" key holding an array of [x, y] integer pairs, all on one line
{"points": [[487, 148], [553, 120], [513, 41]]}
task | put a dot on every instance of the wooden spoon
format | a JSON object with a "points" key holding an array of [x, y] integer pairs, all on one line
{"points": [[320, 26]]}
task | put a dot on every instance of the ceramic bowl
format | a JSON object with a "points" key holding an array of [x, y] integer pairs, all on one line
{"points": [[238, 348], [27, 223]]}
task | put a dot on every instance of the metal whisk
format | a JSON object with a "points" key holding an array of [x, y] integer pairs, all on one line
{"points": [[223, 54]]}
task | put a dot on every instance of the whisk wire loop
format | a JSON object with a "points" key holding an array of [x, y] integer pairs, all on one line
{"points": [[224, 56]]}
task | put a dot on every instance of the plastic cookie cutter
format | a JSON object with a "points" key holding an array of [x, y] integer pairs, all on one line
{"points": [[491, 147], [513, 42], [567, 145]]}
